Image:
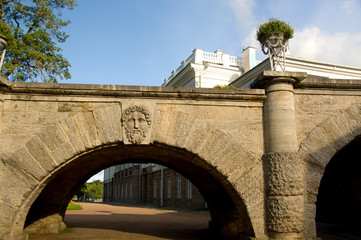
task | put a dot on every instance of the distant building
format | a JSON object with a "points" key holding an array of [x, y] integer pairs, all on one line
{"points": [[206, 69], [150, 184]]}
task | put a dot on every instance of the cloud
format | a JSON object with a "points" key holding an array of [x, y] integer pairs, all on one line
{"points": [[246, 23], [339, 48]]}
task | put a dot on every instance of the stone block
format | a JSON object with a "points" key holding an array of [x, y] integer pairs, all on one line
{"points": [[197, 136], [169, 126], [283, 174], [51, 224], [319, 147], [15, 185], [257, 216], [87, 129], [310, 229], [39, 152], [74, 137], [108, 122], [177, 121], [63, 153], [285, 214], [71, 107], [25, 161], [217, 145], [310, 210], [53, 136], [250, 185], [7, 213], [353, 115], [312, 180], [235, 163], [185, 132], [337, 131]]}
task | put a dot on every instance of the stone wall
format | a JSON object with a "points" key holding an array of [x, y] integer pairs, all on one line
{"points": [[255, 174]]}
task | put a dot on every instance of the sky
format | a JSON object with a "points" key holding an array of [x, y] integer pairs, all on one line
{"points": [[140, 42]]}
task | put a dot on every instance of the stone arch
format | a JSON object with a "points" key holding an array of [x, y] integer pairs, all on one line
{"points": [[318, 148], [44, 160]]}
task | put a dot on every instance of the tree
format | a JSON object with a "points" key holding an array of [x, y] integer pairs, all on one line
{"points": [[36, 28], [94, 188], [81, 191]]}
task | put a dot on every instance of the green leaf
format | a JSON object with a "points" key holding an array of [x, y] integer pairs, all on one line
{"points": [[34, 29]]}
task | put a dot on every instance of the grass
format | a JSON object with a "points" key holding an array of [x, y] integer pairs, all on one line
{"points": [[65, 230], [73, 206]]}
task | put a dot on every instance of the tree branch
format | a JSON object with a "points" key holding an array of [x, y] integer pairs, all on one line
{"points": [[36, 18]]}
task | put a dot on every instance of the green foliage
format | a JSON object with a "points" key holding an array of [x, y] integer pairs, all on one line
{"points": [[81, 191], [5, 31], [65, 230], [274, 25], [94, 188], [36, 27], [225, 87], [74, 206]]}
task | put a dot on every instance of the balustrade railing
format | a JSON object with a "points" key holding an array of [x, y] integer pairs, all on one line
{"points": [[200, 56], [209, 57]]}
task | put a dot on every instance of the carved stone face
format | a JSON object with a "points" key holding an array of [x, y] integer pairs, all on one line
{"points": [[136, 123]]}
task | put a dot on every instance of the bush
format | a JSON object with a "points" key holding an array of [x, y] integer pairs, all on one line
{"points": [[274, 25]]}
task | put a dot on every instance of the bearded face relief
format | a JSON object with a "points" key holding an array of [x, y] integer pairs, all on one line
{"points": [[136, 122]]}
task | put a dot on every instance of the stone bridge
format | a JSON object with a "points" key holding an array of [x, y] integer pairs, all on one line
{"points": [[257, 155]]}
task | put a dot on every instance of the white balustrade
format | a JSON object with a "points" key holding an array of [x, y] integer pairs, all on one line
{"points": [[200, 56]]}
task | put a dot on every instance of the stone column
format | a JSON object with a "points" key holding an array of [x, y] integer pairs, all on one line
{"points": [[283, 168]]}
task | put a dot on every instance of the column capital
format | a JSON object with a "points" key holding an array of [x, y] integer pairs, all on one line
{"points": [[267, 78]]}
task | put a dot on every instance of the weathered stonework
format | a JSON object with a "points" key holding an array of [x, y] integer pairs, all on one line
{"points": [[257, 155], [283, 174], [50, 224], [285, 214]]}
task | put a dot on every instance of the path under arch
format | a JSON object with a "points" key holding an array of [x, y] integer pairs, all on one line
{"points": [[107, 221]]}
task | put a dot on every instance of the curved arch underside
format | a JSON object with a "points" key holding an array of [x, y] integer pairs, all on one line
{"points": [[66, 154], [339, 198]]}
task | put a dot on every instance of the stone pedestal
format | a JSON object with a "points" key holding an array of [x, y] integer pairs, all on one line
{"points": [[282, 166]]}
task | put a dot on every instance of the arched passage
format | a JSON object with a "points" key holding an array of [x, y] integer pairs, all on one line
{"points": [[68, 153], [338, 206], [317, 150], [57, 193]]}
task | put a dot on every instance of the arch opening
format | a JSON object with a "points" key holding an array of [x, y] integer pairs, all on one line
{"points": [[228, 213], [338, 206], [150, 184]]}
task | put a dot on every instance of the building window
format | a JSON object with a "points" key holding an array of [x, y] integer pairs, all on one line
{"points": [[130, 191], [179, 184], [169, 187], [122, 192], [126, 191], [154, 188], [189, 189], [160, 187]]}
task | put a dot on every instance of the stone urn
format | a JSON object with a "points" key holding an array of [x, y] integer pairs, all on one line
{"points": [[3, 42], [273, 42]]}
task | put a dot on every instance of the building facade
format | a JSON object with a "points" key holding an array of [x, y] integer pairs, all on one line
{"points": [[150, 184]]}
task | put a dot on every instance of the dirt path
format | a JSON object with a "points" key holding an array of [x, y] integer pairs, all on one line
{"points": [[105, 221]]}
